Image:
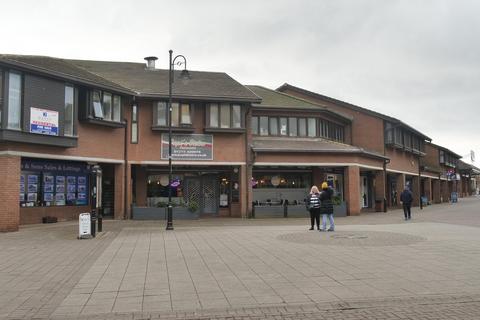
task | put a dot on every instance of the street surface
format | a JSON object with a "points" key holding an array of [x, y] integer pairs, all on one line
{"points": [[375, 266]]}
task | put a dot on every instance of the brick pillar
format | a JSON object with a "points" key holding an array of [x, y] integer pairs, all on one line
{"points": [[129, 194], [352, 190], [9, 193], [380, 188], [119, 190], [141, 181]]}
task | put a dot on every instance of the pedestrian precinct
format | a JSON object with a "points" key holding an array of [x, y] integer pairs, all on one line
{"points": [[406, 199], [313, 206], [326, 207]]}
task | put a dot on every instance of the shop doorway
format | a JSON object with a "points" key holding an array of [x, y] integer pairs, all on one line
{"points": [[364, 192], [203, 190]]}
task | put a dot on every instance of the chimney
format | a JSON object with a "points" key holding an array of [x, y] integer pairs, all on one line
{"points": [[151, 62]]}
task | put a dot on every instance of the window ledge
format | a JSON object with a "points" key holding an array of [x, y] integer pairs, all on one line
{"points": [[225, 130], [112, 124], [34, 138], [174, 129]]}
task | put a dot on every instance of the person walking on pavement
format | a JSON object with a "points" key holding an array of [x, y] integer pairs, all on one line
{"points": [[326, 207], [313, 206], [406, 199]]}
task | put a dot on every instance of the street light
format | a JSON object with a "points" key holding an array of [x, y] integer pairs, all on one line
{"points": [[170, 169]]}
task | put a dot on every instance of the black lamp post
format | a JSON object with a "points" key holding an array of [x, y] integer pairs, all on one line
{"points": [[170, 169]]}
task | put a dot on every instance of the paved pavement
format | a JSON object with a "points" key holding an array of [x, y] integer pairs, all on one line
{"points": [[375, 266]]}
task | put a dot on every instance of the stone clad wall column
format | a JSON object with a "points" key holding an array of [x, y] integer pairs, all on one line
{"points": [[380, 188], [9, 193], [352, 186], [416, 191], [428, 189], [119, 191]]}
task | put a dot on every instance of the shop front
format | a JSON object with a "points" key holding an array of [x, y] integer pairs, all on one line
{"points": [[282, 191], [195, 191], [49, 187]]}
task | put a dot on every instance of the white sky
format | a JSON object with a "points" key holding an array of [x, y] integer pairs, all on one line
{"points": [[416, 60]]}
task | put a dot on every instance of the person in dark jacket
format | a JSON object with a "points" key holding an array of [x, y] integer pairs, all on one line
{"points": [[326, 207], [313, 206], [406, 199]]}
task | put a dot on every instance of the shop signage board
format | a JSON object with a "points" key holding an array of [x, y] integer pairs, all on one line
{"points": [[188, 147], [84, 230], [44, 121]]}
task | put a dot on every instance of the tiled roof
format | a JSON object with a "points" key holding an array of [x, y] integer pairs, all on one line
{"points": [[286, 86], [59, 68], [307, 145], [135, 79], [279, 100]]}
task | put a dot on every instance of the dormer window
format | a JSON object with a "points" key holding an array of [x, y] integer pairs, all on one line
{"points": [[106, 106]]}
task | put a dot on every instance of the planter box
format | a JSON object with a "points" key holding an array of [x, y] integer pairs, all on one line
{"points": [[297, 211], [268, 211], [340, 210], [154, 213]]}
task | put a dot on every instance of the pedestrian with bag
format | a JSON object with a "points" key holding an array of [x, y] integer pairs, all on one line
{"points": [[406, 199], [313, 206], [326, 207]]}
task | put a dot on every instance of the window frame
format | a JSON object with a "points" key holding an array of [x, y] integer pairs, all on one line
{"points": [[73, 127], [94, 109], [8, 108], [134, 124], [231, 111], [175, 123]]}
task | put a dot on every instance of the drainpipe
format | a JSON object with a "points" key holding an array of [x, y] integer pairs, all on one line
{"points": [[125, 169], [385, 161], [420, 184], [247, 161]]}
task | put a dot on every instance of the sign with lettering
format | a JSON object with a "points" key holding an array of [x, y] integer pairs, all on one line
{"points": [[188, 147], [44, 121], [84, 230]]}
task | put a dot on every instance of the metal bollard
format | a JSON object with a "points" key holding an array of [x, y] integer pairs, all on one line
{"points": [[93, 219], [100, 220]]}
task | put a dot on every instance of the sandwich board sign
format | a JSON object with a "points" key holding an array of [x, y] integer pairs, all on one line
{"points": [[84, 231]]}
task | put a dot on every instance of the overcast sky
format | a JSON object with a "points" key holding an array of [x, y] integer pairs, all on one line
{"points": [[418, 61]]}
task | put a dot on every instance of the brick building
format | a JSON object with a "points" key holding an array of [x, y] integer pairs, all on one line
{"points": [[237, 150]]}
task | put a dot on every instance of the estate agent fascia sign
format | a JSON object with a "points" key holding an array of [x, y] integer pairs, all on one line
{"points": [[188, 147], [43, 121]]}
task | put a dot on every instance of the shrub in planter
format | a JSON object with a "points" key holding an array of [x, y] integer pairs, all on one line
{"points": [[192, 206]]}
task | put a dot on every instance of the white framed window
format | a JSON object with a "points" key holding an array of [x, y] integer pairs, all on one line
{"points": [[273, 122], [161, 114], [292, 127], [283, 127]]}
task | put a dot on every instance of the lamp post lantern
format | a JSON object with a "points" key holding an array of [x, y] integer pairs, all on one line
{"points": [[170, 168]]}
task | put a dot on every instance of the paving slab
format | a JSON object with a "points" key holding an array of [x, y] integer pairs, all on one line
{"points": [[375, 266]]}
